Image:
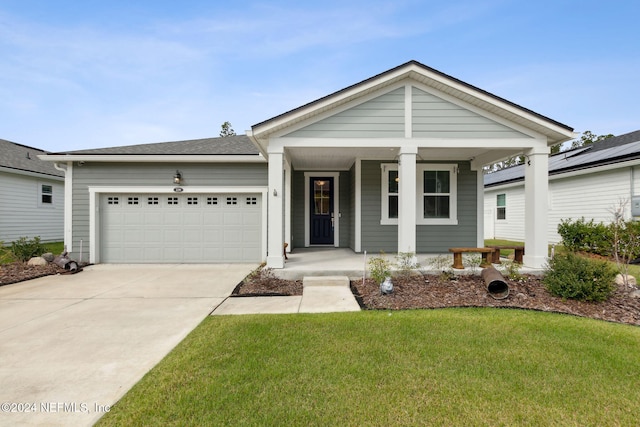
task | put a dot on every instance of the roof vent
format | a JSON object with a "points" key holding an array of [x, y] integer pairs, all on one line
{"points": [[28, 156]]}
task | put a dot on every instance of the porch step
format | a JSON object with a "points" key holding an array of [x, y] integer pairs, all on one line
{"points": [[309, 281]]}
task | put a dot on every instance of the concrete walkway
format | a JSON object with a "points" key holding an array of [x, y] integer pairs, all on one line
{"points": [[72, 345], [327, 294]]}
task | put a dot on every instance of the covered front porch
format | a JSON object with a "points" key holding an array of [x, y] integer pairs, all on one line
{"points": [[325, 261], [404, 153]]}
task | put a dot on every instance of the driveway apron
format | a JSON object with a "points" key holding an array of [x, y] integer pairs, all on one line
{"points": [[72, 345]]}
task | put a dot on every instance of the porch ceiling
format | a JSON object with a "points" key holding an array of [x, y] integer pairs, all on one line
{"points": [[317, 158]]}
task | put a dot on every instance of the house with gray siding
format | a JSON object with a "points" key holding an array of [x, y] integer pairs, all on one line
{"points": [[392, 163], [31, 195], [587, 182]]}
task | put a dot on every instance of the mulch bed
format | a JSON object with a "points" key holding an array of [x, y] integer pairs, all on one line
{"points": [[19, 271], [431, 291]]}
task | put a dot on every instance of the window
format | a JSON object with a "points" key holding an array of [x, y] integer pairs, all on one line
{"points": [[46, 194], [436, 198], [389, 193], [501, 206], [437, 189]]}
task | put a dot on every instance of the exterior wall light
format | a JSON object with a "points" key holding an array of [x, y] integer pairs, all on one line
{"points": [[177, 178]]}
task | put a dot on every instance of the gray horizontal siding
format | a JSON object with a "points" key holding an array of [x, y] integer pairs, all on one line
{"points": [[375, 237], [21, 214], [439, 238], [382, 117], [429, 238], [129, 175], [297, 210], [433, 117], [345, 209]]}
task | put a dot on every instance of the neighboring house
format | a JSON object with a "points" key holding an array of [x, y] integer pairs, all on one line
{"points": [[393, 163], [587, 182], [31, 195]]}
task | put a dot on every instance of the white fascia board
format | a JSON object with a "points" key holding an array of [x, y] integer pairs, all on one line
{"points": [[30, 173], [167, 158], [570, 174], [595, 169]]}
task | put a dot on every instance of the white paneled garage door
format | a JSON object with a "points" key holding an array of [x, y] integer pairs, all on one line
{"points": [[180, 228]]}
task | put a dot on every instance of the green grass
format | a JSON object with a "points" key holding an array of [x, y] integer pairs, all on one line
{"points": [[424, 367], [502, 242]]}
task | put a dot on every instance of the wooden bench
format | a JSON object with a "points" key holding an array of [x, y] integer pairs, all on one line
{"points": [[518, 252], [457, 256]]}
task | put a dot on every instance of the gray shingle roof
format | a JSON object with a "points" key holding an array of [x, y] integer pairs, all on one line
{"points": [[229, 145], [610, 150], [23, 158]]}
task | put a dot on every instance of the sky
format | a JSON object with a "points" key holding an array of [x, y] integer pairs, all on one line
{"points": [[94, 73]]}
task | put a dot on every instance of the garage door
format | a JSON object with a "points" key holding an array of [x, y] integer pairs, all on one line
{"points": [[180, 228]]}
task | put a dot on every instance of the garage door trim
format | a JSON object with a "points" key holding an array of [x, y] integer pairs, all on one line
{"points": [[96, 192]]}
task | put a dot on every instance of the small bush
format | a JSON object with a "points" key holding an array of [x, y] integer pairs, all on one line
{"points": [[25, 249], [379, 268], [511, 270], [574, 277], [586, 236], [406, 262]]}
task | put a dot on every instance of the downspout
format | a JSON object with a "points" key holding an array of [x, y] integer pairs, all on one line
{"points": [[67, 169]]}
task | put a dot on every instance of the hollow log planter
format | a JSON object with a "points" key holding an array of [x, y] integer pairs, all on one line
{"points": [[496, 284]]}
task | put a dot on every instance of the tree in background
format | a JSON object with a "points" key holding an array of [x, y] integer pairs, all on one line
{"points": [[588, 138], [227, 130]]}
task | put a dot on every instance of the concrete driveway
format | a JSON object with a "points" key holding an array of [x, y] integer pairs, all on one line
{"points": [[72, 345]]}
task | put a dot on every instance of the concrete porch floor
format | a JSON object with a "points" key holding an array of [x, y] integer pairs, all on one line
{"points": [[330, 261]]}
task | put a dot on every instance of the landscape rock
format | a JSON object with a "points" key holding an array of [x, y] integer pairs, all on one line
{"points": [[635, 294], [620, 280], [48, 257], [37, 261]]}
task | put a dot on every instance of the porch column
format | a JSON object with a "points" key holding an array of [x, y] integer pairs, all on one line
{"points": [[275, 220], [536, 187], [407, 199]]}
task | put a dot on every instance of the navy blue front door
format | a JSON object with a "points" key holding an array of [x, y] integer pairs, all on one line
{"points": [[321, 204]]}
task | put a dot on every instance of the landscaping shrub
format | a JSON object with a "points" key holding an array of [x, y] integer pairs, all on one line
{"points": [[586, 236], [574, 277], [379, 268], [25, 249]]}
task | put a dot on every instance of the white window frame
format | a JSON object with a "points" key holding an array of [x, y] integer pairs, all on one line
{"points": [[420, 169], [42, 193], [384, 217], [498, 207], [453, 194]]}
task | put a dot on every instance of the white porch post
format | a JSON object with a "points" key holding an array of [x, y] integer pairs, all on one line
{"points": [[407, 199], [275, 233], [480, 208], [536, 187]]}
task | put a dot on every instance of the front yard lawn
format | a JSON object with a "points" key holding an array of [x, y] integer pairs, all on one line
{"points": [[416, 367]]}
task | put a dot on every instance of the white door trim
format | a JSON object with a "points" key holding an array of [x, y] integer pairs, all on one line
{"points": [[336, 205]]}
